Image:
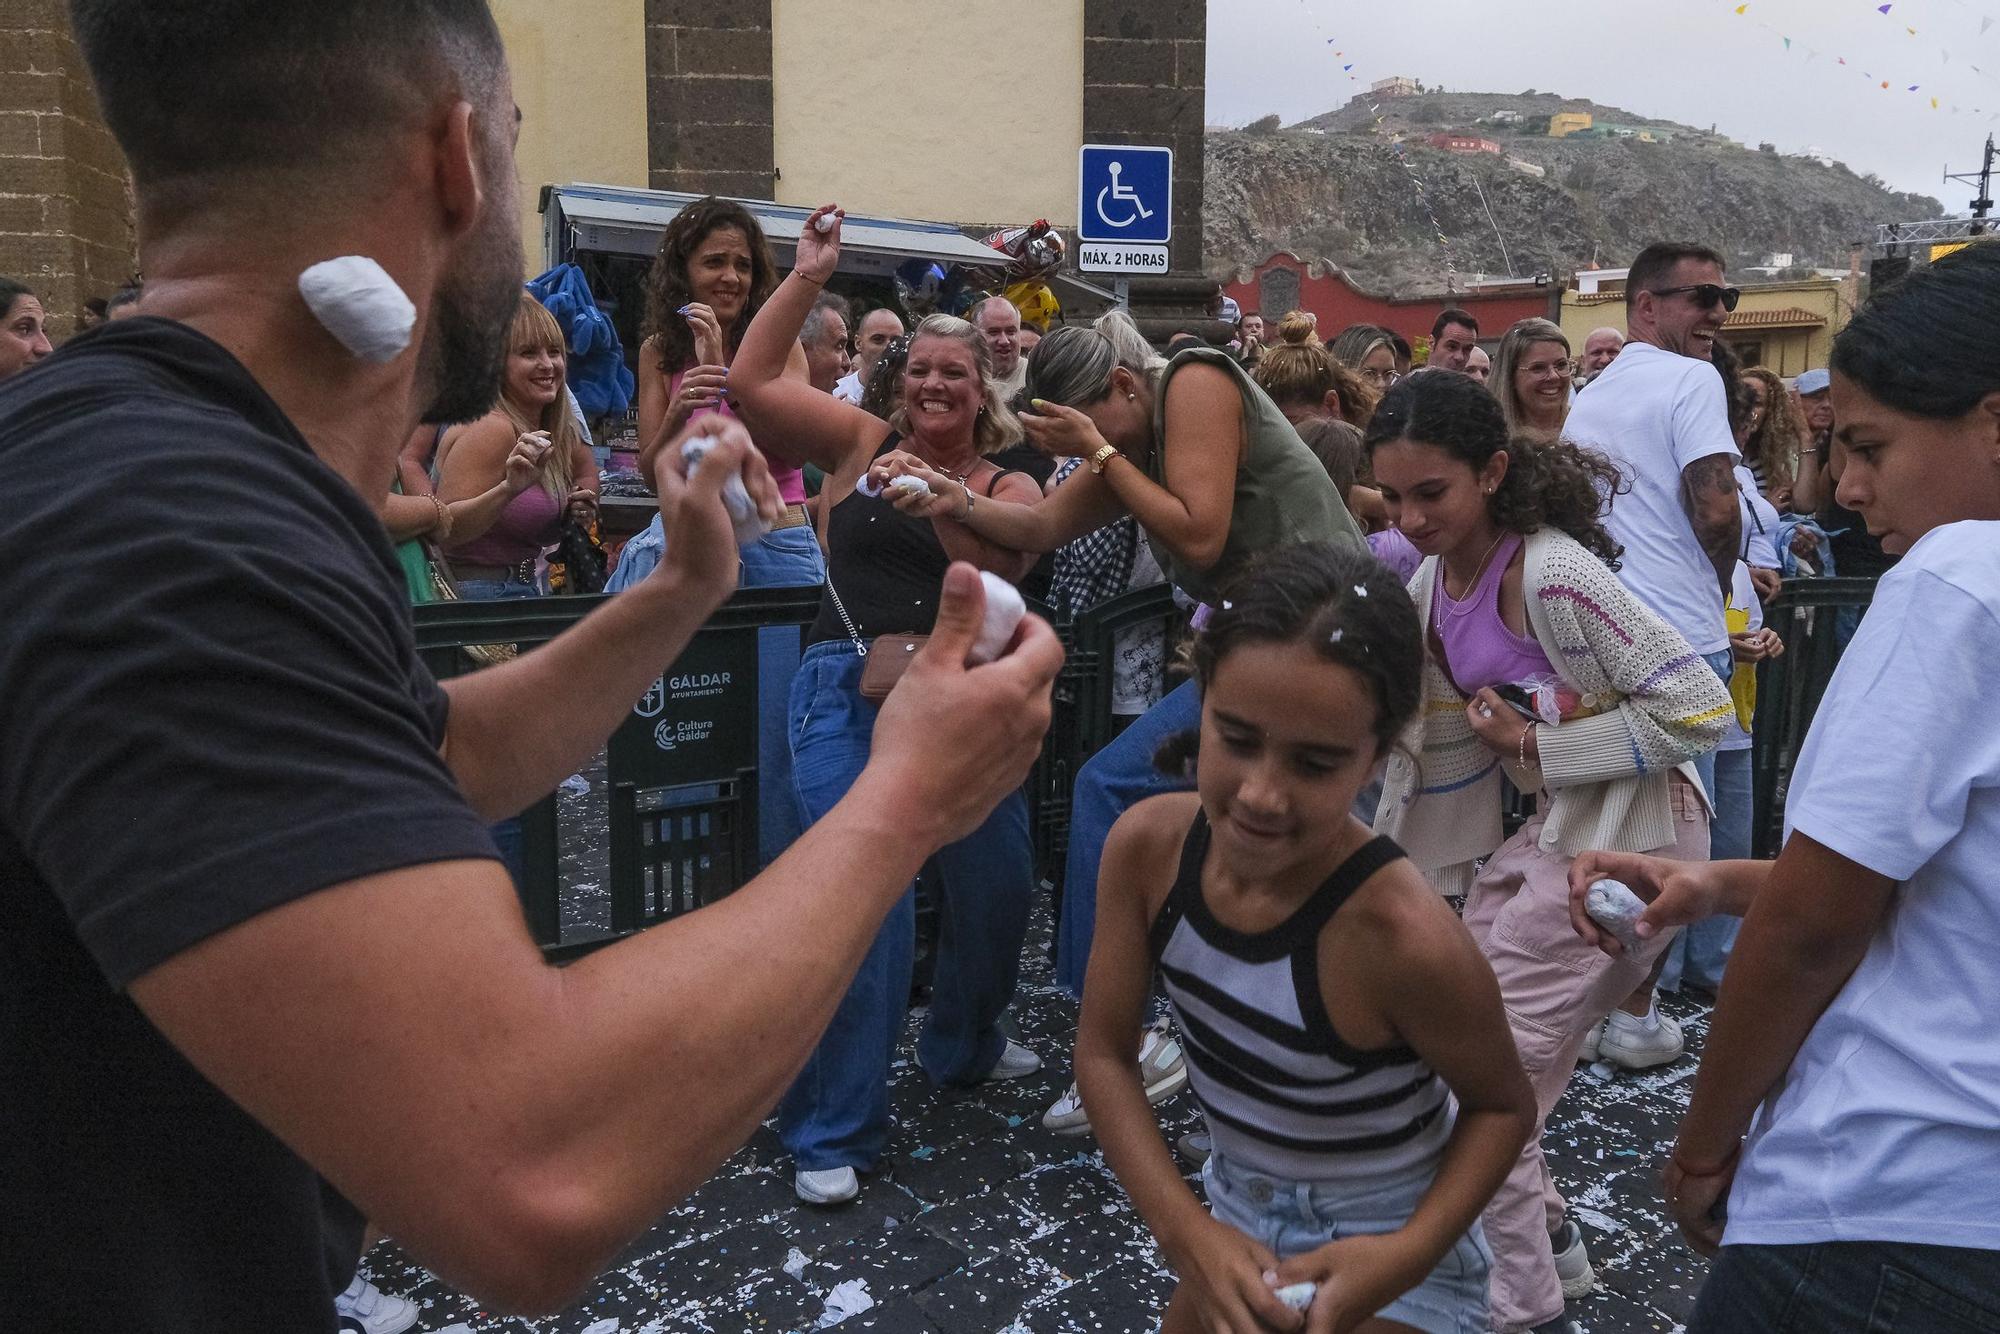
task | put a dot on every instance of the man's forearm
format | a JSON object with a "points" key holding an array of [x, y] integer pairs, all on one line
{"points": [[518, 729]]}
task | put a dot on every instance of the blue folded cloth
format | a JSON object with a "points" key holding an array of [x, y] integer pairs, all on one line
{"points": [[598, 375]]}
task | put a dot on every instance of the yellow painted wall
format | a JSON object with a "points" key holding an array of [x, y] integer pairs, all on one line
{"points": [[580, 80], [935, 109], [1785, 350], [1565, 123]]}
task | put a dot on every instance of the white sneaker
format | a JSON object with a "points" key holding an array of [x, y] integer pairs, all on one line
{"points": [[374, 1310], [1588, 1052], [836, 1185], [1016, 1062], [1162, 1071], [1640, 1044], [1572, 1261]]}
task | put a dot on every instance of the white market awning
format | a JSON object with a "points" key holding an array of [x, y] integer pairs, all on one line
{"points": [[618, 220]]}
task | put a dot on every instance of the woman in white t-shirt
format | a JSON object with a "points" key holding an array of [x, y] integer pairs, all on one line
{"points": [[1851, 1087]]}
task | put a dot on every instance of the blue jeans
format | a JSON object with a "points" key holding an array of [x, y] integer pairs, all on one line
{"points": [[787, 558], [1289, 1218], [507, 833], [1699, 953], [1880, 1287], [837, 1112], [1110, 783]]}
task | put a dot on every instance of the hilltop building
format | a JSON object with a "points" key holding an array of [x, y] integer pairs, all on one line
{"points": [[1396, 85], [1459, 141], [1565, 123]]}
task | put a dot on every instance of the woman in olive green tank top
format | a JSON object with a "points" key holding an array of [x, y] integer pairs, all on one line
{"points": [[1191, 448], [1196, 452]]}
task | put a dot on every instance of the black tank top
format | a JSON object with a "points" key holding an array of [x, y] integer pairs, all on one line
{"points": [[886, 564]]}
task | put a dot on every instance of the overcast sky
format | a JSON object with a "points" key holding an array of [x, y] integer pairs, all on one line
{"points": [[1693, 61]]}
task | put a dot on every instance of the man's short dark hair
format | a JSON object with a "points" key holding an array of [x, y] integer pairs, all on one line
{"points": [[1657, 260], [1449, 316], [202, 90]]}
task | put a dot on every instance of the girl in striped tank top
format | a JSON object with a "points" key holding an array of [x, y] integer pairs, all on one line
{"points": [[1343, 1037]]}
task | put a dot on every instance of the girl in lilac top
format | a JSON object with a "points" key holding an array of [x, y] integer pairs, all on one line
{"points": [[1514, 588]]}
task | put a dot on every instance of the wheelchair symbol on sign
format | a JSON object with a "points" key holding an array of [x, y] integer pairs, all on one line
{"points": [[1119, 192]]}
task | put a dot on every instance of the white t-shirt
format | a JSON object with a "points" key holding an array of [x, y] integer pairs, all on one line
{"points": [[848, 389], [1655, 412], [1887, 1125]]}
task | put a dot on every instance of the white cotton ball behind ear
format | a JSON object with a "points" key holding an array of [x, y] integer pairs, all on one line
{"points": [[1004, 610], [361, 305], [743, 516]]}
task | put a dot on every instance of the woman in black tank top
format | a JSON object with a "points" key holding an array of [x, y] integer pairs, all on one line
{"points": [[884, 572]]}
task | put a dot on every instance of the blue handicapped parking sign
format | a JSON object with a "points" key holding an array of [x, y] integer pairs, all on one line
{"points": [[1126, 193]]}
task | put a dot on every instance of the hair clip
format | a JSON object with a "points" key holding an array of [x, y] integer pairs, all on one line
{"points": [[1361, 590], [1336, 636]]}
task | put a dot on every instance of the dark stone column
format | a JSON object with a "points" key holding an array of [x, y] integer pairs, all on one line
{"points": [[1145, 76], [708, 96]]}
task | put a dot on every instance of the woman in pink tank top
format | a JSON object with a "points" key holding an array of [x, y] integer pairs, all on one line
{"points": [[711, 276], [533, 413]]}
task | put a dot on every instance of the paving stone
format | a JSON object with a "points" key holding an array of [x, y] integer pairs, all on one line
{"points": [[981, 1226], [613, 1297], [986, 1297], [1605, 1312], [897, 1317], [1664, 1276], [971, 1168], [1087, 1246], [776, 1303], [700, 1267], [1122, 1300], [901, 1261]]}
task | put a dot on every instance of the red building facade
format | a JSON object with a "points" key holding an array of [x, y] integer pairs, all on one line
{"points": [[1285, 282], [1457, 141]]}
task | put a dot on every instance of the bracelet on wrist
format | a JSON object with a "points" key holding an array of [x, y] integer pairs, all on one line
{"points": [[441, 530]]}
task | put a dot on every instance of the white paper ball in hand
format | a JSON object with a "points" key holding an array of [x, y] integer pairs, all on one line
{"points": [[825, 223], [910, 485], [1299, 1296], [743, 515], [1004, 610], [1612, 905]]}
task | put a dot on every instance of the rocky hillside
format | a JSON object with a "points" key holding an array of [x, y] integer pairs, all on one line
{"points": [[1333, 187]]}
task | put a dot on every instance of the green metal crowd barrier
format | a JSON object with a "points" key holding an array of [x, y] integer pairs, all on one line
{"points": [[681, 770], [1815, 618], [682, 776]]}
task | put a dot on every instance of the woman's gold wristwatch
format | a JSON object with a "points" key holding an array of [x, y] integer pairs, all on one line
{"points": [[1103, 456]]}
